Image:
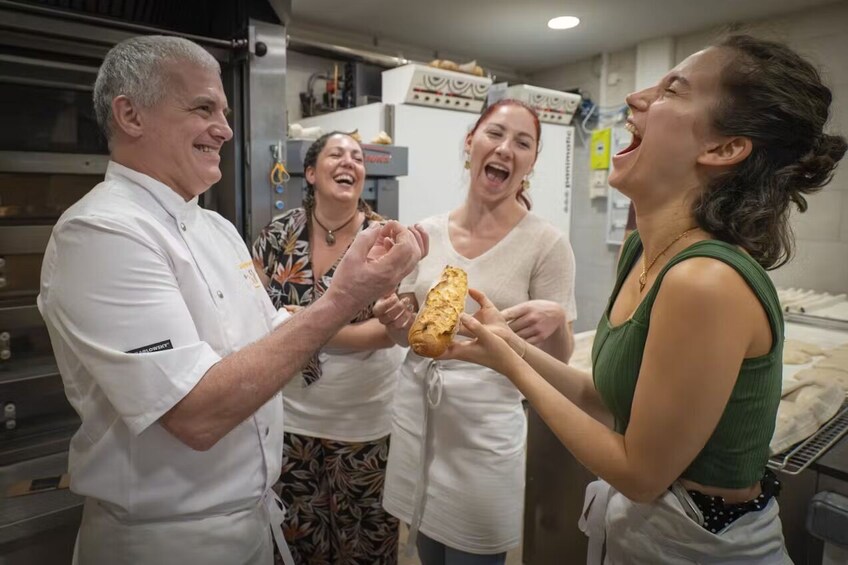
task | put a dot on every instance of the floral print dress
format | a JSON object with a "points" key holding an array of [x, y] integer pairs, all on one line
{"points": [[332, 489], [282, 253]]}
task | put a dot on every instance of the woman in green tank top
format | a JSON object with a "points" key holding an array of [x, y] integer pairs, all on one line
{"points": [[678, 414]]}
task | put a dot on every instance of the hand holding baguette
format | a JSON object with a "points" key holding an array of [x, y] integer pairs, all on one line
{"points": [[438, 319]]}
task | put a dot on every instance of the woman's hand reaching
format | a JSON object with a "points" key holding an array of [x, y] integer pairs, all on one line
{"points": [[394, 312], [494, 343]]}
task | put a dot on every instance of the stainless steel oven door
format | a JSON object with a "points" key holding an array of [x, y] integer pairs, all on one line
{"points": [[35, 189]]}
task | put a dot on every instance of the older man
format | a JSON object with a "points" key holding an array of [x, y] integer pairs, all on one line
{"points": [[165, 337]]}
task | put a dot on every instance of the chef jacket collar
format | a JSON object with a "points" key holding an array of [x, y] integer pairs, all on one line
{"points": [[172, 202]]}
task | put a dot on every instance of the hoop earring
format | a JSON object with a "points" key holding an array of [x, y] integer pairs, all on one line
{"points": [[525, 184]]}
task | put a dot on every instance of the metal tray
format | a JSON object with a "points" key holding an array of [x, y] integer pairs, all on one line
{"points": [[803, 454]]}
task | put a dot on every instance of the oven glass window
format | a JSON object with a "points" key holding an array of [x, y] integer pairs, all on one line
{"points": [[27, 198], [48, 120]]}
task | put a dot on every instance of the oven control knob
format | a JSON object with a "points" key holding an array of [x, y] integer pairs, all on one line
{"points": [[2, 282], [9, 415], [5, 351]]}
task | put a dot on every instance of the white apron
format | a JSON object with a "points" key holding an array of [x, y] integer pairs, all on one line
{"points": [[456, 462], [241, 537], [660, 532]]}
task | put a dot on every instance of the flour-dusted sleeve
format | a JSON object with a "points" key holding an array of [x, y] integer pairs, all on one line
{"points": [[553, 275], [110, 295]]}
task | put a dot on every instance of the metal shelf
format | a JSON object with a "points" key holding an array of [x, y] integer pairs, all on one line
{"points": [[805, 453], [818, 321]]}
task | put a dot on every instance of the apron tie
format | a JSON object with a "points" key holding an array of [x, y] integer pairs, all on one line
{"points": [[277, 513], [433, 383], [592, 520]]}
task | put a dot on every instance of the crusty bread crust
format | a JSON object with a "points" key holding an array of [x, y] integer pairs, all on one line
{"points": [[438, 319]]}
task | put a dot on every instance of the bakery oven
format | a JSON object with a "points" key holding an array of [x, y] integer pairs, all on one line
{"points": [[51, 154]]}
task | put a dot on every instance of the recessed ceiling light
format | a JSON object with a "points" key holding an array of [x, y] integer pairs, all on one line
{"points": [[563, 22]]}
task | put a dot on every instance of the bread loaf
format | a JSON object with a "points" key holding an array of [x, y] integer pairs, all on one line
{"points": [[438, 319]]}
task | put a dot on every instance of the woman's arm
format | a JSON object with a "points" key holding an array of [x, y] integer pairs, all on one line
{"points": [[572, 383], [361, 336], [545, 320], [702, 325], [560, 344], [543, 324]]}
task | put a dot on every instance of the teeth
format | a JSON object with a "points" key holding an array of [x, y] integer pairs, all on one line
{"points": [[205, 149], [631, 128], [347, 178], [499, 167]]}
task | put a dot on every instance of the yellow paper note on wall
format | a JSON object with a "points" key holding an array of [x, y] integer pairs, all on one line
{"points": [[600, 156]]}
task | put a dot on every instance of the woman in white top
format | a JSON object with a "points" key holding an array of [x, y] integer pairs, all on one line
{"points": [[456, 464], [337, 417]]}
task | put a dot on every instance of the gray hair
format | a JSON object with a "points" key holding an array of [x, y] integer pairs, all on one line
{"points": [[133, 68]]}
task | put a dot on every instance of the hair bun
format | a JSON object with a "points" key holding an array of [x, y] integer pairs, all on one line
{"points": [[832, 146], [815, 169]]}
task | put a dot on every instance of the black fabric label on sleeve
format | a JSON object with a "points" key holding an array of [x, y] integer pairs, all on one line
{"points": [[153, 347]]}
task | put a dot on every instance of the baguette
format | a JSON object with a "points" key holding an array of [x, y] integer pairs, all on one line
{"points": [[437, 321]]}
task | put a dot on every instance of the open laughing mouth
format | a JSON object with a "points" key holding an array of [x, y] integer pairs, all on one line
{"points": [[634, 143], [344, 178], [496, 172]]}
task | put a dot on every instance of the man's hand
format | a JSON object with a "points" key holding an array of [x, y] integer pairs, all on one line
{"points": [[375, 263]]}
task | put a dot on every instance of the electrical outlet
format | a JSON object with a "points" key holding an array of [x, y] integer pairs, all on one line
{"points": [[598, 183]]}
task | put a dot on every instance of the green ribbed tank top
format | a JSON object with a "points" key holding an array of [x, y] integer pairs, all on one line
{"points": [[736, 454]]}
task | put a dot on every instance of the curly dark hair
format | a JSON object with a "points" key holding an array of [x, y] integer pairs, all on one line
{"points": [[311, 160], [777, 99]]}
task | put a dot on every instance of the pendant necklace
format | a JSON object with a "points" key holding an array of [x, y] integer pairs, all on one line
{"points": [[330, 236]]}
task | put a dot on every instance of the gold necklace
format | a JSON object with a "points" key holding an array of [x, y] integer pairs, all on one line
{"points": [[643, 278], [330, 237]]}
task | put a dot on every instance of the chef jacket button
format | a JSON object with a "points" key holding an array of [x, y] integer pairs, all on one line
{"points": [[182, 226], [220, 294]]}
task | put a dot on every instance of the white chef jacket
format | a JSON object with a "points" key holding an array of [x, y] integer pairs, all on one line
{"points": [[142, 292]]}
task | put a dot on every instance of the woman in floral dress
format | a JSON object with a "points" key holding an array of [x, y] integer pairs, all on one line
{"points": [[337, 418]]}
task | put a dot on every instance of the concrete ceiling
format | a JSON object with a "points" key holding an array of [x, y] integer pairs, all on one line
{"points": [[514, 33]]}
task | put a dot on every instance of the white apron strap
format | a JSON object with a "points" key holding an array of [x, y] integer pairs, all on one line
{"points": [[433, 381], [591, 520], [278, 514]]}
